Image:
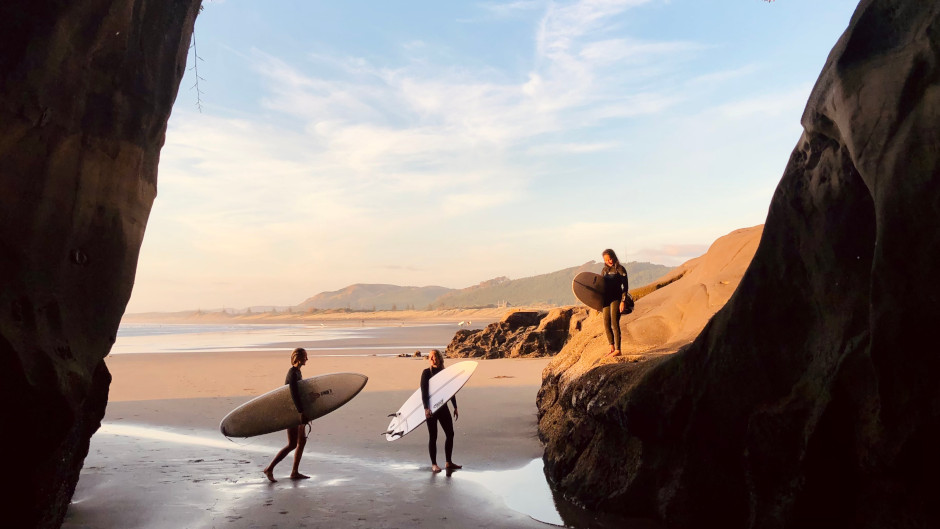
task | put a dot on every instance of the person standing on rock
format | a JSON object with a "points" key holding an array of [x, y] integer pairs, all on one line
{"points": [[296, 435], [616, 290], [442, 415]]}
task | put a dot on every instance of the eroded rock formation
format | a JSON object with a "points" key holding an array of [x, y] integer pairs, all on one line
{"points": [[86, 89], [520, 334], [669, 313], [809, 399]]}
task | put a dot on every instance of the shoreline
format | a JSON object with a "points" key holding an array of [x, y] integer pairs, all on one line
{"points": [[159, 460], [489, 314]]}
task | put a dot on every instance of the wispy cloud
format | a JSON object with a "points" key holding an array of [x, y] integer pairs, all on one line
{"points": [[350, 158]]}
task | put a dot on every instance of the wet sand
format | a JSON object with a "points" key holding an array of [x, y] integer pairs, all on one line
{"points": [[159, 460]]}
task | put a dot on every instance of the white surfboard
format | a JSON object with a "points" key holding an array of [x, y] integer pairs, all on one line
{"points": [[275, 409], [441, 387]]}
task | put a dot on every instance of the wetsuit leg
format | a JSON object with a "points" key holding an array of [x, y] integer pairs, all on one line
{"points": [[447, 424], [613, 334], [432, 439], [607, 329]]}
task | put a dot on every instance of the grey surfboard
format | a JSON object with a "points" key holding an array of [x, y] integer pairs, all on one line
{"points": [[275, 410], [588, 287]]}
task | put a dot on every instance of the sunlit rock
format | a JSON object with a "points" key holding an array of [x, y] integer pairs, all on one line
{"points": [[809, 400]]}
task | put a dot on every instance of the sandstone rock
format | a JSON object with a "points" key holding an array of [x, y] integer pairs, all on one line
{"points": [[86, 92], [809, 399], [518, 334]]}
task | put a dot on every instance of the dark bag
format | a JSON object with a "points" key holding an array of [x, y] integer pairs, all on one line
{"points": [[628, 304]]}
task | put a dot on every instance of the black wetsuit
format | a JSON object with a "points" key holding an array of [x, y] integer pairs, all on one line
{"points": [[293, 380], [616, 289], [442, 415]]}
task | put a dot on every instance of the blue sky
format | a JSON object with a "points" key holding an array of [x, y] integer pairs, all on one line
{"points": [[446, 143]]}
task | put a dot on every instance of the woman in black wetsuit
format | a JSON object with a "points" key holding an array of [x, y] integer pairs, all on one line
{"points": [[296, 436], [442, 415], [616, 290]]}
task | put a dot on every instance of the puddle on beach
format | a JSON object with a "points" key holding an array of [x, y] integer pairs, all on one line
{"points": [[524, 490]]}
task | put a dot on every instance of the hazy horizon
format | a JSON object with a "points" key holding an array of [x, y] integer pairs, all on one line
{"points": [[447, 144]]}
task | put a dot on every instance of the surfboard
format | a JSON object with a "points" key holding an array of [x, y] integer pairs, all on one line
{"points": [[441, 388], [588, 287], [275, 410]]}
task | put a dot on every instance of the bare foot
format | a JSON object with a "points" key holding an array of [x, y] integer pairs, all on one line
{"points": [[452, 466], [613, 354], [298, 475], [269, 473], [435, 468]]}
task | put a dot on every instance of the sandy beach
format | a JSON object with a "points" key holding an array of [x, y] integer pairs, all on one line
{"points": [[159, 460]]}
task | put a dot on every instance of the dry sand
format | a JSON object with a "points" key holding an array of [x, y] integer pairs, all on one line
{"points": [[159, 460]]}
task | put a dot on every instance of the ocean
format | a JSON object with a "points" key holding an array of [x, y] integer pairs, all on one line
{"points": [[339, 339]]}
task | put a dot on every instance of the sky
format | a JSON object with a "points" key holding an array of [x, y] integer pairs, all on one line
{"points": [[422, 142]]}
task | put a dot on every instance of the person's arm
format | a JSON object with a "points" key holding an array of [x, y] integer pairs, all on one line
{"points": [[626, 284], [454, 400], [426, 391], [293, 382]]}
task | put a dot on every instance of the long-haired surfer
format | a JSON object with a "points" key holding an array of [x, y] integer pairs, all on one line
{"points": [[296, 435], [442, 415], [616, 290]]}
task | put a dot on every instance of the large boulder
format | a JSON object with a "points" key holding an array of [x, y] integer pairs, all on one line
{"points": [[86, 92], [809, 400], [520, 334]]}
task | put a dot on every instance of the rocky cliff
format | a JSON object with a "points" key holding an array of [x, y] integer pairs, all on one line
{"points": [[85, 93], [808, 400]]}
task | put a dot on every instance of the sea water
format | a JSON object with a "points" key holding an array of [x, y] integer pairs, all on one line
{"points": [[320, 340]]}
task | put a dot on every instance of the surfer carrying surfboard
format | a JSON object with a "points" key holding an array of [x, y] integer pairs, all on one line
{"points": [[296, 435], [616, 290], [442, 415]]}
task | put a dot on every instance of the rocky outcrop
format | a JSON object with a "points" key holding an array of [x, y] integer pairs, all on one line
{"points": [[669, 314], [520, 334], [809, 399], [86, 92]]}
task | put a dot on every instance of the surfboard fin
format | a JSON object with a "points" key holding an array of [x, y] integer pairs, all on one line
{"points": [[393, 414], [386, 432], [399, 434]]}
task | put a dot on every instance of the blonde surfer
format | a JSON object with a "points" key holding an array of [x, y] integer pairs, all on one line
{"points": [[442, 415]]}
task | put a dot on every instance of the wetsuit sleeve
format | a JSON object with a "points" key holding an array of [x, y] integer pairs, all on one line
{"points": [[625, 283], [454, 401], [425, 388], [293, 381]]}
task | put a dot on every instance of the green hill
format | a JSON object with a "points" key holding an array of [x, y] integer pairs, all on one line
{"points": [[377, 297], [547, 289]]}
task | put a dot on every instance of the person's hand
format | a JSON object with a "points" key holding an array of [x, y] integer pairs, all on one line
{"points": [[427, 413], [623, 306], [455, 414]]}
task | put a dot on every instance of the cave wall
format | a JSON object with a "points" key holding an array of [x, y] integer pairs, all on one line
{"points": [[809, 399], [86, 90]]}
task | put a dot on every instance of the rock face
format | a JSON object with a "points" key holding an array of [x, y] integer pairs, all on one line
{"points": [[664, 319], [520, 334], [85, 96], [809, 400]]}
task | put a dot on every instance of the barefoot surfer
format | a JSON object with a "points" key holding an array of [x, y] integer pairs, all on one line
{"points": [[616, 290], [442, 415], [297, 435]]}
